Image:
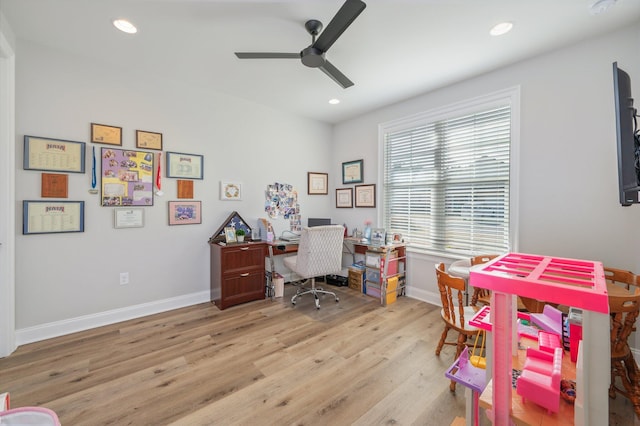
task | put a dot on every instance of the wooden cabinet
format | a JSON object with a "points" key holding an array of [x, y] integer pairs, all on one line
{"points": [[237, 273]]}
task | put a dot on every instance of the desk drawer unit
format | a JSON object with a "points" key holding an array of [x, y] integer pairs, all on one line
{"points": [[237, 274]]}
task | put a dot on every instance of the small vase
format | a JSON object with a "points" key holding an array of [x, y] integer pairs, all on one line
{"points": [[367, 233], [240, 238]]}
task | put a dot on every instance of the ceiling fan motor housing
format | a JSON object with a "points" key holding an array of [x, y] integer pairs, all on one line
{"points": [[312, 57]]}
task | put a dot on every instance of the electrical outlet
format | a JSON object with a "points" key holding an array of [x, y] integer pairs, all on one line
{"points": [[124, 278]]}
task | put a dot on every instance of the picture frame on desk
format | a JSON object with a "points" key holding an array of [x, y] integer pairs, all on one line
{"points": [[230, 235], [344, 198], [378, 236], [352, 172]]}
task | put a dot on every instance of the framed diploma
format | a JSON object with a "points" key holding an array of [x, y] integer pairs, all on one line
{"points": [[148, 140], [352, 172], [366, 195], [184, 166], [185, 212], [54, 185], [48, 217], [110, 135], [128, 218], [317, 183], [344, 198], [127, 177], [55, 155]]}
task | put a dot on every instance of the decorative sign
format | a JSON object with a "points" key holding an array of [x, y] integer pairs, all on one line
{"points": [[54, 185]]}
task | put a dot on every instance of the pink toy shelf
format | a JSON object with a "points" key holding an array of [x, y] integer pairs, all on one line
{"points": [[571, 282], [577, 283]]}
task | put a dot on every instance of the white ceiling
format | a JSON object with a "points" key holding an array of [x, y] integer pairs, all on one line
{"points": [[394, 50]]}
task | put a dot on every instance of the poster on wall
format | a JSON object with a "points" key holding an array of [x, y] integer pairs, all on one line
{"points": [[281, 199], [127, 177]]}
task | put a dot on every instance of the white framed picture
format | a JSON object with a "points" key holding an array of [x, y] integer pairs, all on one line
{"points": [[230, 191]]}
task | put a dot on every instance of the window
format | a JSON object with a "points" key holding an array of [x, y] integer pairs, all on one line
{"points": [[446, 178]]}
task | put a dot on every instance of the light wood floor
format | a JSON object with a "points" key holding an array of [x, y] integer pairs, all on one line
{"points": [[261, 363]]}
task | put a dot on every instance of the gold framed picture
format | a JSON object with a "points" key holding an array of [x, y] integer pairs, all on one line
{"points": [[109, 135], [148, 140]]}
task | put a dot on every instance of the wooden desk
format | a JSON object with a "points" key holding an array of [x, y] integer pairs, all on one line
{"points": [[531, 413]]}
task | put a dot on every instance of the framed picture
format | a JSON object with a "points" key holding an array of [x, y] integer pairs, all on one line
{"points": [[128, 218], [230, 191], [49, 217], [110, 135], [317, 183], [127, 178], [365, 195], [148, 140], [54, 185], [184, 166], [54, 155], [185, 212], [233, 221], [378, 236], [344, 198], [230, 234], [352, 172]]}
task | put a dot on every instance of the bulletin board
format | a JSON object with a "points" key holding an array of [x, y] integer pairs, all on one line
{"points": [[127, 177]]}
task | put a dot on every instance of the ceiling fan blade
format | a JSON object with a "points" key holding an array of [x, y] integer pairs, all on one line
{"points": [[336, 75], [267, 55], [345, 16]]}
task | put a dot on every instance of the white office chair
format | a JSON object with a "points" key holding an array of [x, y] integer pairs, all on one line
{"points": [[319, 253]]}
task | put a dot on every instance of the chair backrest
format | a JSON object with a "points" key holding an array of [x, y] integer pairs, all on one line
{"points": [[480, 294], [624, 308], [449, 287], [320, 251], [483, 258]]}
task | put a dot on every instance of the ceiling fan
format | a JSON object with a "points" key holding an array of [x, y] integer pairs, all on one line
{"points": [[314, 55]]}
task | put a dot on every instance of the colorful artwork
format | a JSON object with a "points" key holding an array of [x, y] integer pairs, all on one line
{"points": [[127, 177], [281, 199]]}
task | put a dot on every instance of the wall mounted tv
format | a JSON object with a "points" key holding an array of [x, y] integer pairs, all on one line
{"points": [[628, 138]]}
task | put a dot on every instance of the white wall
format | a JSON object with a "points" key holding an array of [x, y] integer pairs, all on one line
{"points": [[568, 166], [70, 280]]}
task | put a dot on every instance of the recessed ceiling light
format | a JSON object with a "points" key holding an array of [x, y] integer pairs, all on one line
{"points": [[601, 6], [125, 26], [501, 28], [334, 101]]}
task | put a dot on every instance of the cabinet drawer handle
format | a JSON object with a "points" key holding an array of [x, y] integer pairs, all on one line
{"points": [[246, 274], [244, 248]]}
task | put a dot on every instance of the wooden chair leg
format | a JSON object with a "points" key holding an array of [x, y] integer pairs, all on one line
{"points": [[628, 371], [442, 339]]}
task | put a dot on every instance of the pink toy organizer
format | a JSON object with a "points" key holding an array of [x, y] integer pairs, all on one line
{"points": [[577, 283]]}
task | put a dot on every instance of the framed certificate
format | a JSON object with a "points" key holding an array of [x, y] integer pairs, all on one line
{"points": [[184, 166], [48, 217], [344, 198], [352, 172], [54, 185], [366, 195], [128, 218], [148, 140], [110, 135], [317, 183], [53, 155]]}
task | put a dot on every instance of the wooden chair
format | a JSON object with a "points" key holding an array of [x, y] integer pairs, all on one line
{"points": [[624, 307], [455, 315], [481, 295]]}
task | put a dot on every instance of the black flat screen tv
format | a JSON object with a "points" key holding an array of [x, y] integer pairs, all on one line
{"points": [[628, 138]]}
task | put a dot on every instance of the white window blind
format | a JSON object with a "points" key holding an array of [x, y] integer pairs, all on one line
{"points": [[446, 182]]}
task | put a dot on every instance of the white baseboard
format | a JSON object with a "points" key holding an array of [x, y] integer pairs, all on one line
{"points": [[86, 322], [423, 295]]}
